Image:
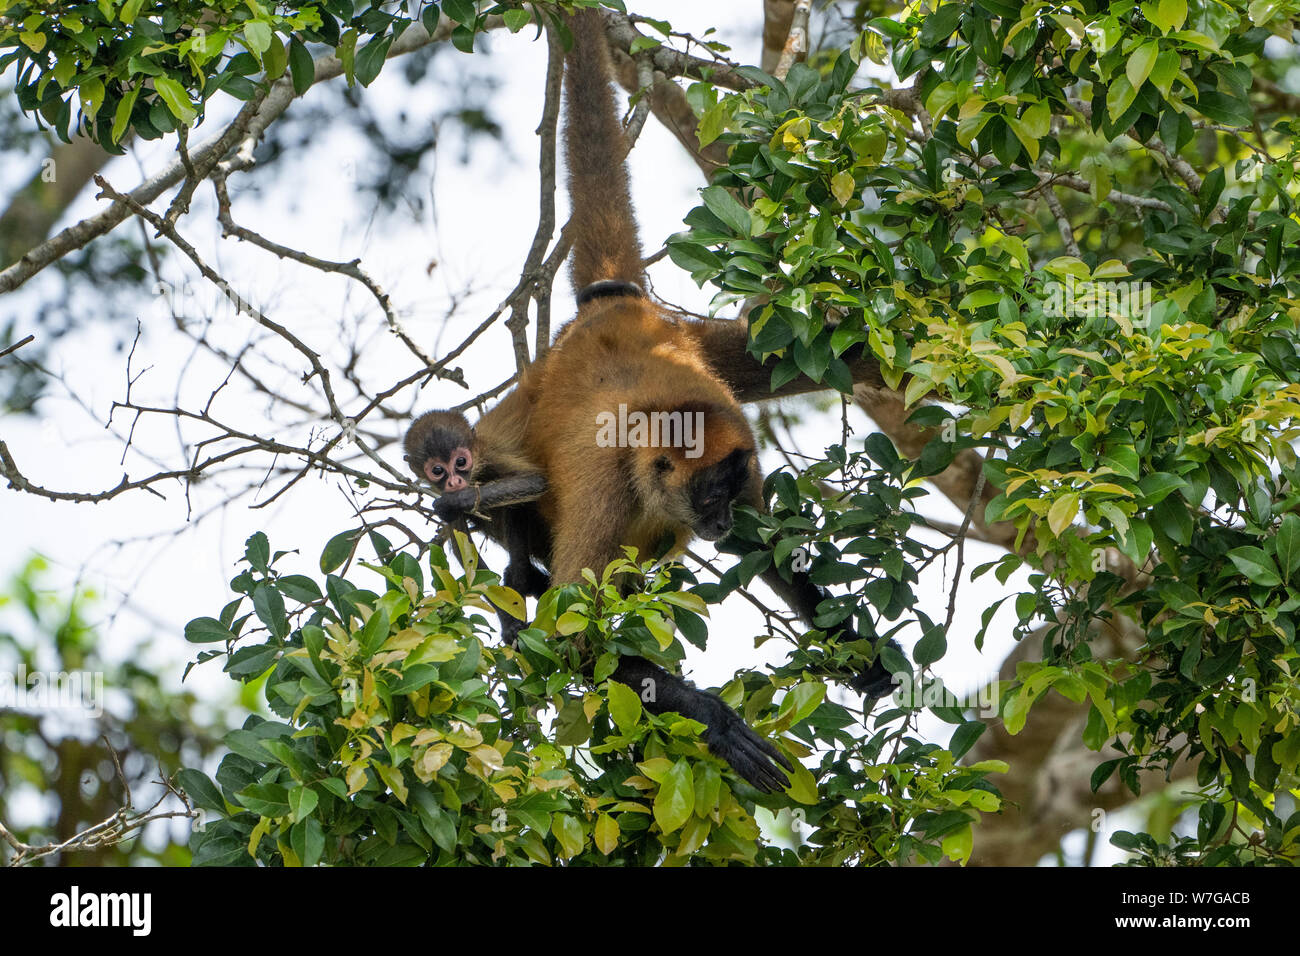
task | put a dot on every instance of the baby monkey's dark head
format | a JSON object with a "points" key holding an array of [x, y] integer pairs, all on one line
{"points": [[440, 448]]}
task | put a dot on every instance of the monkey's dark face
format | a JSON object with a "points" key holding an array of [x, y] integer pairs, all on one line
{"points": [[712, 491], [450, 471]]}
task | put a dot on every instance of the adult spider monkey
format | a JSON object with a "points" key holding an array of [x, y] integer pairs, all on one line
{"points": [[535, 472]]}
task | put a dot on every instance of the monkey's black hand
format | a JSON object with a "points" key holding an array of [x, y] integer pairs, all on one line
{"points": [[730, 738], [456, 504], [876, 681], [510, 627]]}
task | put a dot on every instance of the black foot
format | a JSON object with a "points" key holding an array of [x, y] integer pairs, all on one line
{"points": [[731, 739], [510, 627], [876, 681]]}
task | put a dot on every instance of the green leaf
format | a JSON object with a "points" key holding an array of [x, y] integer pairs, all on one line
{"points": [[375, 631], [275, 59], [462, 38], [123, 114], [568, 832], [308, 841], [338, 549], [392, 778], [205, 630], [802, 700], [726, 207], [269, 605], [1140, 63], [606, 834], [1119, 97], [964, 737], [517, 19], [430, 17], [1224, 108], [1124, 459], [268, 799], [675, 800], [1288, 544], [1155, 487], [1037, 120], [346, 51], [843, 187], [931, 647], [1063, 512], [92, 97], [803, 786], [1165, 71], [624, 706], [938, 26], [957, 845], [370, 59], [258, 35], [1168, 15], [302, 802], [176, 98], [257, 552], [201, 791], [1255, 565], [299, 587], [462, 11]]}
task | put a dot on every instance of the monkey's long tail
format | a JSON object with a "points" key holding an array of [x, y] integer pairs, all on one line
{"points": [[605, 242]]}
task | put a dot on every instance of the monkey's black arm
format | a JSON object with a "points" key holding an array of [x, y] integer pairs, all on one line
{"points": [[728, 736], [489, 495], [723, 343], [802, 596]]}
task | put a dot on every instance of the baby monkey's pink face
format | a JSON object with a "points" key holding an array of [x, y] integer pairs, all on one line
{"points": [[450, 473]]}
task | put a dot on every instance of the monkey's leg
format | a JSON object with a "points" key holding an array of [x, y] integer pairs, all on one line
{"points": [[520, 574], [728, 736], [587, 535], [802, 596]]}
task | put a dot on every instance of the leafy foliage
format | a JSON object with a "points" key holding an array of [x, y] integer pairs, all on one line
{"points": [[1138, 399], [57, 776], [404, 739], [152, 67]]}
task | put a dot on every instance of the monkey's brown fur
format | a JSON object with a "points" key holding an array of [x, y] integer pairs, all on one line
{"points": [[605, 242], [540, 442], [621, 350]]}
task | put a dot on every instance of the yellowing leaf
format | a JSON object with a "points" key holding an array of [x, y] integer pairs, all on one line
{"points": [[488, 756], [392, 777], [606, 834], [92, 97], [508, 600], [433, 760], [568, 832], [1062, 513], [571, 622], [803, 788], [843, 187]]}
